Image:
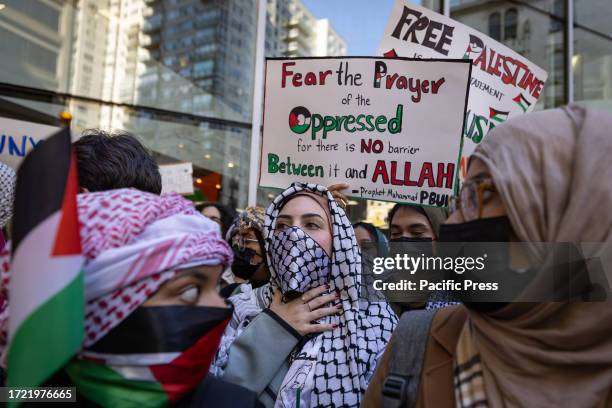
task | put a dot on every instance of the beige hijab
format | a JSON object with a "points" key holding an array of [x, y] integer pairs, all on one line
{"points": [[553, 170]]}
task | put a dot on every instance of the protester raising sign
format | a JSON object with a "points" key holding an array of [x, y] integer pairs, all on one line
{"points": [[504, 84], [390, 128], [17, 138]]}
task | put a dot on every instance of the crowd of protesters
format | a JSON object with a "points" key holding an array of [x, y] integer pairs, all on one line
{"points": [[264, 308]]}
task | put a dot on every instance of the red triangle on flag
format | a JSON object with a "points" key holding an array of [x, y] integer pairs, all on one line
{"points": [[68, 238], [391, 53]]}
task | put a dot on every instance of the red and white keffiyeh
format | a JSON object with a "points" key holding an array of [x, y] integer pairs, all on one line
{"points": [[133, 242]]}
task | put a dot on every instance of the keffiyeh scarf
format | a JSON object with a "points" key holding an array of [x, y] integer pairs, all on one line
{"points": [[8, 179], [133, 242], [250, 218], [345, 357]]}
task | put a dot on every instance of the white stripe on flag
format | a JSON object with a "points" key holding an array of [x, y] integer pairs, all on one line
{"points": [[135, 373], [36, 275], [146, 359]]}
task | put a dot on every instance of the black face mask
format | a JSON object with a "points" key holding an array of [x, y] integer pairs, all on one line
{"points": [[242, 266], [158, 329], [497, 229], [411, 246], [410, 239]]}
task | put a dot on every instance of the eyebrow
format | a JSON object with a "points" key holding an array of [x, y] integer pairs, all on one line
{"points": [[480, 175], [418, 225], [413, 225], [193, 273], [307, 215]]}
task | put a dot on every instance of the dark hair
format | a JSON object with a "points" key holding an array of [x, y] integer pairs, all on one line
{"points": [[227, 214], [108, 161], [397, 206], [372, 230]]}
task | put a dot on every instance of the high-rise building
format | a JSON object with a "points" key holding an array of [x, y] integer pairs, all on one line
{"points": [[539, 30], [35, 43], [197, 57], [308, 36], [91, 27], [204, 42]]}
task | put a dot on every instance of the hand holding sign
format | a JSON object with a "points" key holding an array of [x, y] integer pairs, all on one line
{"points": [[335, 190]]}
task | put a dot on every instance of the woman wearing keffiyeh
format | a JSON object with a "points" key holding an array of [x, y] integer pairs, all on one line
{"points": [[153, 317], [310, 243]]}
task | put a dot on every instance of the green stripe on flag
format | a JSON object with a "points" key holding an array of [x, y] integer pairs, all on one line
{"points": [[48, 337], [108, 388]]}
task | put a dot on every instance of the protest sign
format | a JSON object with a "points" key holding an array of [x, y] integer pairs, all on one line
{"points": [[17, 138], [177, 178], [504, 84], [390, 128]]}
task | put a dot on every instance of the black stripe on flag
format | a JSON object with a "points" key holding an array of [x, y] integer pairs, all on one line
{"points": [[161, 329], [41, 182]]}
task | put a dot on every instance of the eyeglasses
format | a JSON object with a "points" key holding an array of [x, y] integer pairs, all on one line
{"points": [[242, 241], [472, 196]]}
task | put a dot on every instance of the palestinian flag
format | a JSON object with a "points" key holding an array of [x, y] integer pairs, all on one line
{"points": [[143, 363], [46, 288], [299, 119], [390, 54], [497, 117], [522, 102]]}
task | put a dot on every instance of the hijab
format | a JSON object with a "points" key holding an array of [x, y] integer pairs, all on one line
{"points": [[552, 170], [346, 357], [381, 241], [252, 218]]}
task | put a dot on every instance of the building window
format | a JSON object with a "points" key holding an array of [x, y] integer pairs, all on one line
{"points": [[495, 26], [510, 23], [556, 24]]}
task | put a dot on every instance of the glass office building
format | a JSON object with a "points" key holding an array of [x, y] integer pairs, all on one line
{"points": [[179, 73]]}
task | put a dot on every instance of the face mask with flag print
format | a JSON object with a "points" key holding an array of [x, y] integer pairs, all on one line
{"points": [[156, 356], [299, 261]]}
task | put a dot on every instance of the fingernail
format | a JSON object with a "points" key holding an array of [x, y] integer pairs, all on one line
{"points": [[334, 326], [327, 286], [338, 306], [337, 296]]}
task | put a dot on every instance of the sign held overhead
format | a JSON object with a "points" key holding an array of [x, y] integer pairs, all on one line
{"points": [[504, 84], [390, 128]]}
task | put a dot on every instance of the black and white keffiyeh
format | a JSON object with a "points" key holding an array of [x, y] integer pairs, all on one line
{"points": [[7, 193], [299, 261], [347, 355]]}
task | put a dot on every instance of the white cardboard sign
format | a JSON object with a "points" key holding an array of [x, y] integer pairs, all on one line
{"points": [[390, 128], [504, 84], [177, 178], [17, 138]]}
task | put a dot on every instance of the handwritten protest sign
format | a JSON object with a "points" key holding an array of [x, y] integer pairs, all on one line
{"points": [[504, 84], [390, 128], [177, 178], [17, 138]]}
